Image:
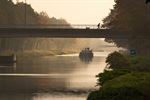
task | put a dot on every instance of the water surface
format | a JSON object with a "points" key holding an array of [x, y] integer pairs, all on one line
{"points": [[63, 77]]}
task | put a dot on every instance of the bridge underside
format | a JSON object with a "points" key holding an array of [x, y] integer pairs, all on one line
{"points": [[60, 33]]}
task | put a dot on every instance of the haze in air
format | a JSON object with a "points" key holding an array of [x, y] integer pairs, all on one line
{"points": [[74, 11]]}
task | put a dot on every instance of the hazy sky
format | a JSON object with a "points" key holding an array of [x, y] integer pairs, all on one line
{"points": [[74, 11]]}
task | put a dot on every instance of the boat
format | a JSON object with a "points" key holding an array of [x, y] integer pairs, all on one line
{"points": [[86, 53]]}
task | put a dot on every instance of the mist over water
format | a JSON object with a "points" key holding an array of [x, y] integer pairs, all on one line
{"points": [[52, 45], [63, 76], [50, 78]]}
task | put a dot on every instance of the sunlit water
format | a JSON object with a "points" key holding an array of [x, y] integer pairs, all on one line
{"points": [[62, 77]]}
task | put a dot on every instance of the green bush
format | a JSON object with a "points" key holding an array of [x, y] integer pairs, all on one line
{"points": [[95, 95], [131, 86], [122, 93], [109, 75], [116, 60], [128, 79]]}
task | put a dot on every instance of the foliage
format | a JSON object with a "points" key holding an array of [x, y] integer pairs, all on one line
{"points": [[14, 15], [131, 86], [137, 80], [119, 61], [116, 60], [131, 82], [109, 75], [123, 93], [140, 63], [95, 95], [131, 16]]}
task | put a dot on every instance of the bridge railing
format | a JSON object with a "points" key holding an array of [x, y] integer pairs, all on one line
{"points": [[53, 26]]}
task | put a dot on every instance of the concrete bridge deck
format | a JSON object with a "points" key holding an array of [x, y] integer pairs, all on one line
{"points": [[61, 31]]}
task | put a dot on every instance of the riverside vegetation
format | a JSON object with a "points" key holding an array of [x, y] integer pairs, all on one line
{"points": [[12, 14], [125, 78]]}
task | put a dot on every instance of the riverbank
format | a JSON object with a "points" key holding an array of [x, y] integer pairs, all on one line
{"points": [[35, 53], [125, 78]]}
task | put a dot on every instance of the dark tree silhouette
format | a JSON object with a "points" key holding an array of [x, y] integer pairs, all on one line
{"points": [[147, 1], [135, 21]]}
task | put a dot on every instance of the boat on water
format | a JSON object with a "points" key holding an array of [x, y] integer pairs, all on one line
{"points": [[86, 53]]}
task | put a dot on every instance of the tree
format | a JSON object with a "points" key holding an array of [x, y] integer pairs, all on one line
{"points": [[133, 17], [147, 1], [14, 14], [116, 60]]}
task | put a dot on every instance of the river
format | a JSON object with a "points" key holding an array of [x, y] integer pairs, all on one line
{"points": [[61, 77]]}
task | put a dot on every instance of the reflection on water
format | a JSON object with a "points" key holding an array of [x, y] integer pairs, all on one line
{"points": [[59, 96], [18, 96], [50, 78], [86, 59]]}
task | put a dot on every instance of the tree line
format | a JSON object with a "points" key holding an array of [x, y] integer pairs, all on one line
{"points": [[14, 14], [132, 16]]}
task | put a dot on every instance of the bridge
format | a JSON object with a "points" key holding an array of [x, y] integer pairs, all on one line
{"points": [[59, 31]]}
